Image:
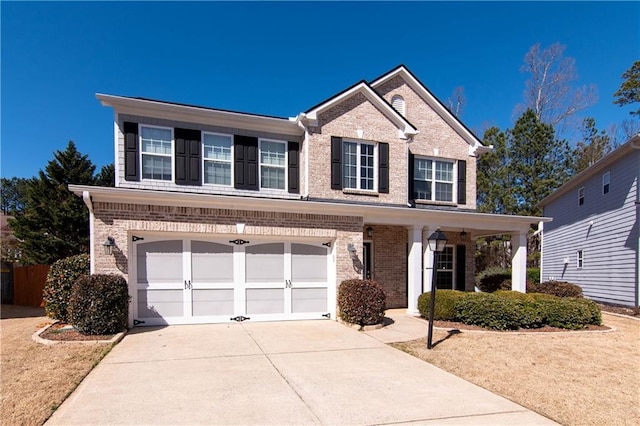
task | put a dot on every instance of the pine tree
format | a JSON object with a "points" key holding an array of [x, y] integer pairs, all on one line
{"points": [[55, 223], [629, 91], [593, 146], [494, 182]]}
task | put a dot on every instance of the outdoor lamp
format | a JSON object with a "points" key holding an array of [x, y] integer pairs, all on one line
{"points": [[463, 235], [437, 242], [369, 231], [108, 245]]}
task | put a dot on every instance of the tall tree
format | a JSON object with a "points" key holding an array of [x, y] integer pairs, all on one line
{"points": [[494, 181], [106, 176], [593, 146], [629, 91], [12, 192], [456, 102], [539, 162], [549, 90], [54, 223]]}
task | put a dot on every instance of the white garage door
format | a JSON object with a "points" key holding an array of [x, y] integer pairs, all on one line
{"points": [[180, 281]]}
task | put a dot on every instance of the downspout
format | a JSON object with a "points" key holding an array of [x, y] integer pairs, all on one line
{"points": [[86, 197], [300, 119]]}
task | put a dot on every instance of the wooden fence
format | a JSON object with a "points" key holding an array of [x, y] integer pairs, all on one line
{"points": [[28, 283]]}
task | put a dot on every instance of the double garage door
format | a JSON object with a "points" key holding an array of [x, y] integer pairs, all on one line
{"points": [[190, 280]]}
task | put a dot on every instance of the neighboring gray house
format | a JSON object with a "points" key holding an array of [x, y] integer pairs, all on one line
{"points": [[593, 240]]}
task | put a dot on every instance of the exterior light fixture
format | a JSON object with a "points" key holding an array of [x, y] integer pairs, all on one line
{"points": [[437, 243], [463, 235], [351, 248], [369, 232], [108, 246]]}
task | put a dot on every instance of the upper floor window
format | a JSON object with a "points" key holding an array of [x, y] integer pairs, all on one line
{"points": [[433, 180], [606, 178], [581, 196], [273, 164], [580, 259], [358, 165], [397, 102], [217, 158], [157, 152]]}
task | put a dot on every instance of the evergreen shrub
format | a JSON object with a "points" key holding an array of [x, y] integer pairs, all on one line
{"points": [[361, 302], [99, 304], [59, 283], [445, 302]]}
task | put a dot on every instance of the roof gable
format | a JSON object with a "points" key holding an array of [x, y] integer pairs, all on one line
{"points": [[424, 93], [407, 129]]}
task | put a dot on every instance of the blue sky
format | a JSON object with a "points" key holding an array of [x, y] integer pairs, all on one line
{"points": [[280, 59]]}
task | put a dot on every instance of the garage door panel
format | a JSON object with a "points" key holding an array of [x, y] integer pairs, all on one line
{"points": [[264, 263], [211, 262], [160, 303], [308, 263], [308, 300], [264, 301], [160, 262], [211, 302]]}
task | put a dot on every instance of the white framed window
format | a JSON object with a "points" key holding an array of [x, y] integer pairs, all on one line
{"points": [[217, 158], [156, 152], [397, 102], [579, 259], [359, 166], [606, 180], [581, 196], [433, 179], [445, 269], [273, 164]]}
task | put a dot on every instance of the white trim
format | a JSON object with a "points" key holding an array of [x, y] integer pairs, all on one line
{"points": [[116, 149], [199, 115], [286, 164], [359, 144], [476, 146], [171, 156], [231, 162], [306, 164], [407, 130], [454, 186]]}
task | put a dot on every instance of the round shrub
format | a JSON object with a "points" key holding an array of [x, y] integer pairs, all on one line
{"points": [[99, 304], [444, 308], [556, 288], [493, 279], [488, 310], [533, 274], [57, 287], [569, 312], [361, 302], [531, 313]]}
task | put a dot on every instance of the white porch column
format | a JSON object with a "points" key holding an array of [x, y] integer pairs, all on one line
{"points": [[519, 262], [414, 269], [427, 276]]}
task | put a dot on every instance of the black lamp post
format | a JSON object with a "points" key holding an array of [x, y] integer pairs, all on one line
{"points": [[437, 242]]}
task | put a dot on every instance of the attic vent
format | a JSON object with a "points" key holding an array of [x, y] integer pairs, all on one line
{"points": [[397, 102]]}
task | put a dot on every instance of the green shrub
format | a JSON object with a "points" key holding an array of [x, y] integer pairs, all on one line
{"points": [[489, 310], [493, 279], [531, 312], [444, 307], [556, 288], [533, 274], [572, 313], [361, 302], [57, 287], [99, 304]]}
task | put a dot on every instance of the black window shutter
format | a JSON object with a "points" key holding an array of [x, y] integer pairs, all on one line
{"points": [[245, 153], [383, 167], [461, 257], [462, 182], [336, 162], [294, 167], [188, 157], [131, 157], [410, 177]]}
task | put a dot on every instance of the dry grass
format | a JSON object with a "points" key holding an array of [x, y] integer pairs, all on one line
{"points": [[35, 378], [586, 378]]}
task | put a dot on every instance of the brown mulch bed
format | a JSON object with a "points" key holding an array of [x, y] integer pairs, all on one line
{"points": [[622, 310], [546, 329], [64, 332]]}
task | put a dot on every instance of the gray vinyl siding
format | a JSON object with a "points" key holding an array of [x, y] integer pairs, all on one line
{"points": [[204, 189], [610, 244]]}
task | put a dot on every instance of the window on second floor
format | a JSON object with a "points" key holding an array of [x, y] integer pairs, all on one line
{"points": [[581, 196], [606, 178], [433, 180], [358, 166], [273, 156], [217, 158], [580, 259], [156, 152]]}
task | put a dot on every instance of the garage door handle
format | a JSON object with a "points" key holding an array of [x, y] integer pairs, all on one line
{"points": [[187, 284]]}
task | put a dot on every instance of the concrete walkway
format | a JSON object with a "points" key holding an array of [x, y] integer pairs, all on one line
{"points": [[303, 372]]}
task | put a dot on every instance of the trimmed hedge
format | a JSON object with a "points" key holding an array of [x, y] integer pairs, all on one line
{"points": [[510, 310], [533, 274], [445, 302], [59, 283], [99, 304], [556, 288], [361, 302], [493, 279]]}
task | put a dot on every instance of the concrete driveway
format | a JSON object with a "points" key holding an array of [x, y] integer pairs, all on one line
{"points": [[303, 372]]}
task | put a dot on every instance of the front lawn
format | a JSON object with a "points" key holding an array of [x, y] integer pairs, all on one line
{"points": [[36, 378]]}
